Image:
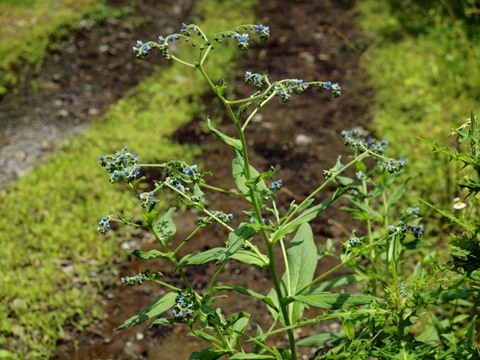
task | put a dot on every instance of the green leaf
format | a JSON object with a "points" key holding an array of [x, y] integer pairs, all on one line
{"points": [[165, 227], [341, 280], [249, 257], [205, 354], [239, 327], [302, 262], [235, 143], [320, 339], [150, 216], [307, 215], [242, 109], [239, 173], [251, 356], [156, 307], [397, 194], [148, 255], [235, 241], [198, 193], [469, 341], [200, 258], [333, 301], [349, 329], [162, 322], [365, 208], [219, 89], [249, 292]]}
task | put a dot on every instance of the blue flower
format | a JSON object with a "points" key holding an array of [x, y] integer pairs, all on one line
{"points": [[242, 40], [104, 224], [276, 185], [263, 30]]}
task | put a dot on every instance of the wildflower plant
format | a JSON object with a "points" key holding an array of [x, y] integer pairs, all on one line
{"points": [[252, 240]]}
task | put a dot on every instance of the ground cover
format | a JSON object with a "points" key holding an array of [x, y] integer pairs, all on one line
{"points": [[27, 28], [299, 139], [424, 66], [51, 255]]}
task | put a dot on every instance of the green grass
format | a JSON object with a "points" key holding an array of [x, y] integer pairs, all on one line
{"points": [[28, 26], [425, 85], [50, 246]]}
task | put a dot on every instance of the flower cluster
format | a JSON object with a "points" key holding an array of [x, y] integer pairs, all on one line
{"points": [[142, 49], [276, 185], [122, 164], [256, 79], [286, 88], [336, 89], [413, 211], [147, 199], [242, 40], [104, 224], [403, 228], [187, 29], [353, 139], [393, 165], [191, 171], [207, 220], [184, 307], [264, 31], [401, 289], [141, 277], [133, 280]]}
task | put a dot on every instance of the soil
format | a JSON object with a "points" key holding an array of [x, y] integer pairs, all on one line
{"points": [[310, 40]]}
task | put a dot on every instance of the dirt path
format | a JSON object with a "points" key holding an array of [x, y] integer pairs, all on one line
{"points": [[77, 83], [310, 40]]}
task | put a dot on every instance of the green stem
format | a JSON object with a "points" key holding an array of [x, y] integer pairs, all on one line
{"points": [[373, 254], [257, 210]]}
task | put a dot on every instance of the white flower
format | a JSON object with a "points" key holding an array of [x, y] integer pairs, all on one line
{"points": [[458, 204]]}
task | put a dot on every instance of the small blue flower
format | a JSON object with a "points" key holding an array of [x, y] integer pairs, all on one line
{"points": [[361, 175], [276, 185], [104, 224], [327, 85], [413, 210], [263, 30], [242, 40]]}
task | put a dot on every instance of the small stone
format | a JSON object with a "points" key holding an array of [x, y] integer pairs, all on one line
{"points": [[303, 140]]}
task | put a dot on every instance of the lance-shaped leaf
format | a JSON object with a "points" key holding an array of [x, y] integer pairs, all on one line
{"points": [[333, 301], [165, 227], [307, 215], [367, 210], [249, 292], [330, 284], [148, 255], [156, 307], [302, 262], [205, 354], [242, 181], [239, 356], [235, 143], [250, 258], [235, 241]]}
